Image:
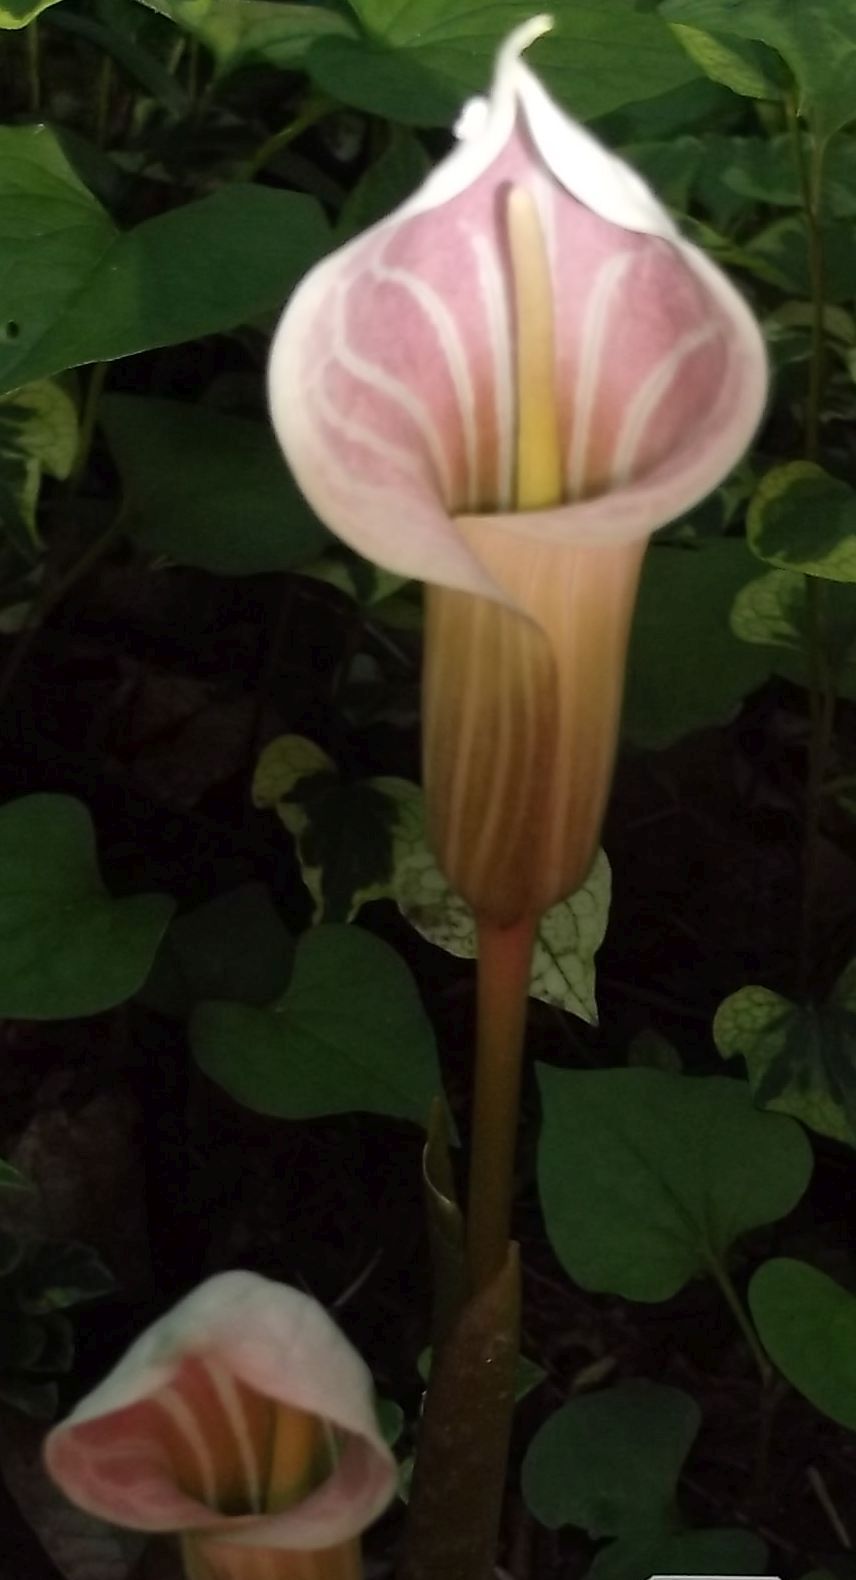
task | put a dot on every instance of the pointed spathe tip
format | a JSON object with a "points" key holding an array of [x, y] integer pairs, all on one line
{"points": [[520, 38]]}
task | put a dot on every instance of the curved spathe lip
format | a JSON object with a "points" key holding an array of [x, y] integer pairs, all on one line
{"points": [[113, 1461], [387, 343], [587, 170]]}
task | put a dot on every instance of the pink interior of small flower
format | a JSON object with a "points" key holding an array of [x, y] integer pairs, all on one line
{"points": [[410, 363], [198, 1449]]}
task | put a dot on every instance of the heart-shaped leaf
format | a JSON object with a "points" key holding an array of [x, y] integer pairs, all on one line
{"points": [[418, 62], [67, 947], [801, 1059], [587, 1466], [77, 290], [236, 945], [801, 519], [348, 1035], [681, 1553], [807, 1324], [208, 489], [685, 601], [254, 32], [19, 13], [647, 1179], [816, 38]]}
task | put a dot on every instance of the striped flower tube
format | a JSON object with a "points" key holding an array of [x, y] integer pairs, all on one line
{"points": [[503, 389], [243, 1422]]}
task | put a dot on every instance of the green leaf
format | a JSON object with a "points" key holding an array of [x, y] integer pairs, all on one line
{"points": [[143, 67], [18, 13], [207, 489], [365, 583], [235, 947], [390, 1419], [682, 1553], [816, 38], [60, 1276], [68, 948], [771, 611], [807, 1324], [650, 1050], [255, 32], [746, 68], [647, 1179], [672, 166], [38, 432], [801, 1059], [345, 832], [43, 419], [610, 1461], [12, 1180], [49, 223], [348, 1035], [684, 606], [802, 519], [528, 1375], [781, 251], [763, 170], [401, 168], [75, 290], [366, 841], [421, 60]]}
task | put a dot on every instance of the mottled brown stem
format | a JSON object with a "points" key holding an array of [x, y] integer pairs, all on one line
{"points": [[504, 969]]}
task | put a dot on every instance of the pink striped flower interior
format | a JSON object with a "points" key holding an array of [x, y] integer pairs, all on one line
{"points": [[392, 375], [503, 389], [243, 1416]]}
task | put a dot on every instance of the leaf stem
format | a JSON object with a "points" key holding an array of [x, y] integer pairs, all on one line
{"points": [[766, 1373], [504, 969], [315, 111], [741, 1316]]}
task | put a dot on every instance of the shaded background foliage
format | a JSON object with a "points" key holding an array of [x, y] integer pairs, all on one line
{"points": [[231, 975]]}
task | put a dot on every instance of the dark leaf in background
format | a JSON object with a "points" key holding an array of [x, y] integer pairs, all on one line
{"points": [[349, 1035], [208, 489], [68, 948]]}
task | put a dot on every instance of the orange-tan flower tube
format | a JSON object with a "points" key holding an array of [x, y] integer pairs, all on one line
{"points": [[502, 389], [241, 1422]]}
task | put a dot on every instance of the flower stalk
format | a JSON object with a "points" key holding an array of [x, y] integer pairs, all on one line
{"points": [[503, 389], [504, 968]]}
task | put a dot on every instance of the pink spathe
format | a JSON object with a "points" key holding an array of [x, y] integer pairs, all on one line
{"points": [[180, 1437], [392, 375]]}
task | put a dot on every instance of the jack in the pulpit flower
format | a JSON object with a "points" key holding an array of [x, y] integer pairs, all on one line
{"points": [[503, 389], [243, 1422]]}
